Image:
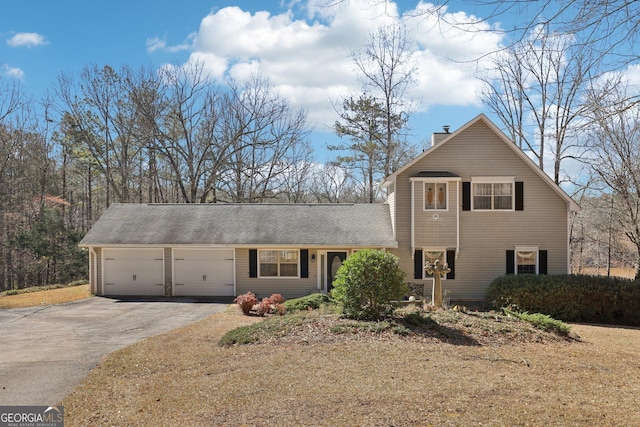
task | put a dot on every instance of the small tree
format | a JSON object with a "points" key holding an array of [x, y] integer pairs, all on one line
{"points": [[368, 283]]}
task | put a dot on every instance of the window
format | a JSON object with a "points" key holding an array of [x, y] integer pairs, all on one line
{"points": [[492, 195], [278, 263], [435, 195], [431, 257], [526, 262]]}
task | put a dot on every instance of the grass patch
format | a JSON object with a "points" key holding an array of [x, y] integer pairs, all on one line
{"points": [[270, 328], [184, 378], [41, 288], [37, 296]]}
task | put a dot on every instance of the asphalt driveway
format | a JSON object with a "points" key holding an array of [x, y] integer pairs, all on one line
{"points": [[46, 351]]}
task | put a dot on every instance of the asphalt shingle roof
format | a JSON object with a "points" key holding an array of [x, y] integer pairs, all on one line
{"points": [[436, 174], [350, 225]]}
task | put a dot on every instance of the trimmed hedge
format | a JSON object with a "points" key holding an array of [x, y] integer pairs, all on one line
{"points": [[313, 301], [570, 298]]}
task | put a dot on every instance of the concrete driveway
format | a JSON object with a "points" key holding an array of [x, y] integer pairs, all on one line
{"points": [[46, 351]]}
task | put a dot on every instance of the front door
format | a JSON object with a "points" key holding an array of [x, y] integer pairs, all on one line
{"points": [[334, 261]]}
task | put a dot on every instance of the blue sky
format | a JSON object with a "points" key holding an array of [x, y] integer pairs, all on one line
{"points": [[302, 46]]}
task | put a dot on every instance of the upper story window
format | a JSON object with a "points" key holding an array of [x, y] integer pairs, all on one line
{"points": [[278, 263], [435, 195], [493, 193]]}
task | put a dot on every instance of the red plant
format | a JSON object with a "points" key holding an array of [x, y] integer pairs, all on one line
{"points": [[246, 301], [279, 309], [264, 307], [276, 299]]}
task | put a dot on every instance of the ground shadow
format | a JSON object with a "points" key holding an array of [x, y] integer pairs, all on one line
{"points": [[190, 300]]}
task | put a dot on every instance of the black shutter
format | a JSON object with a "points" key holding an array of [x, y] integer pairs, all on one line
{"points": [[451, 261], [418, 268], [253, 263], [304, 263], [466, 196], [511, 262], [519, 195], [542, 268]]}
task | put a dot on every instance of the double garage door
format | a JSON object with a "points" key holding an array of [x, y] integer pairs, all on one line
{"points": [[195, 272]]}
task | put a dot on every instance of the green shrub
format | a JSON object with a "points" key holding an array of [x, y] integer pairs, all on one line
{"points": [[274, 326], [241, 335], [368, 283], [541, 321], [570, 298], [313, 301], [417, 319]]}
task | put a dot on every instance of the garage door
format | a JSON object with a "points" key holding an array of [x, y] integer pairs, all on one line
{"points": [[133, 272], [203, 272]]}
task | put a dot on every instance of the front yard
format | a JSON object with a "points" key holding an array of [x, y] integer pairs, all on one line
{"points": [[470, 371]]}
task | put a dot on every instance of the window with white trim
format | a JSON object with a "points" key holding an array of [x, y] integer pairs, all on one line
{"points": [[278, 263], [435, 195], [432, 256], [496, 194], [526, 260]]}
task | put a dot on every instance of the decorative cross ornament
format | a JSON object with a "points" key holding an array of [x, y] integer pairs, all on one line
{"points": [[438, 271]]}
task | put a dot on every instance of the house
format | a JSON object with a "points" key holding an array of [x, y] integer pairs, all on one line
{"points": [[473, 200], [477, 202], [229, 249]]}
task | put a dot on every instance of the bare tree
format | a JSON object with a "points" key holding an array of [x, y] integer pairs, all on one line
{"points": [[264, 135], [333, 184], [614, 142], [536, 90], [100, 114], [386, 72]]}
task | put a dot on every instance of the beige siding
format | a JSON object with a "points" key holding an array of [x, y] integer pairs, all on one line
{"points": [[168, 272], [484, 236], [98, 270], [391, 200], [264, 287], [438, 231]]}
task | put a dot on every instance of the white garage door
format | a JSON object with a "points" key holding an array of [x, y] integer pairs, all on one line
{"points": [[133, 272], [203, 272]]}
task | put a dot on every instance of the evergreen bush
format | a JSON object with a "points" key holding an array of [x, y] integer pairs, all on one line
{"points": [[570, 298], [313, 301], [368, 283]]}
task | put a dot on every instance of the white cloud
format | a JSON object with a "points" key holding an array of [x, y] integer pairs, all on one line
{"points": [[13, 72], [27, 40], [156, 43], [307, 57]]}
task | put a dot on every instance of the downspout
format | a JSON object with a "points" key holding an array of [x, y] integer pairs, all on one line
{"points": [[568, 238], [457, 218], [92, 281], [413, 240]]}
